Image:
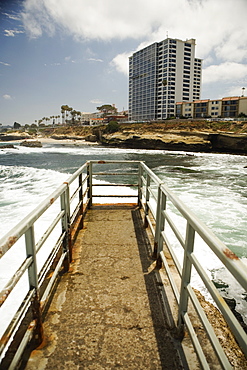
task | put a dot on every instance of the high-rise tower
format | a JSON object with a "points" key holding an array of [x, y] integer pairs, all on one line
{"points": [[160, 75]]}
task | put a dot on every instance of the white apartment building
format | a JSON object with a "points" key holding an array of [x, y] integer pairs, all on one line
{"points": [[229, 107], [161, 75]]}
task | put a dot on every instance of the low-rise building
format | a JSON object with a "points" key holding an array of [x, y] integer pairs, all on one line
{"points": [[116, 117], [230, 107], [96, 121], [86, 117]]}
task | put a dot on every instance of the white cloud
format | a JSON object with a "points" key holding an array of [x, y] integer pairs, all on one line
{"points": [[96, 101], [5, 64], [212, 24], [95, 60], [12, 16], [121, 62], [12, 33], [36, 17], [218, 26], [7, 97], [225, 72], [235, 91]]}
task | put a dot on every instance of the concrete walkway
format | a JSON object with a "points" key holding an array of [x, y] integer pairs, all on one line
{"points": [[106, 313]]}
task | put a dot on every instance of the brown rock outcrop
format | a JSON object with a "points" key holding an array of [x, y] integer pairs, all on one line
{"points": [[178, 140], [8, 137], [152, 140], [31, 144], [229, 143]]}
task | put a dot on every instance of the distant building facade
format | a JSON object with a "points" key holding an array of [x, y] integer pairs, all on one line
{"points": [[229, 107], [87, 118], [160, 75]]}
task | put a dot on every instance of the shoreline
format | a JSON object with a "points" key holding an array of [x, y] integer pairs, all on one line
{"points": [[48, 140], [196, 141], [77, 142]]}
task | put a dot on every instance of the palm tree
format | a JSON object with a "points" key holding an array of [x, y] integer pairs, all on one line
{"points": [[69, 109], [78, 116], [73, 114], [64, 109]]}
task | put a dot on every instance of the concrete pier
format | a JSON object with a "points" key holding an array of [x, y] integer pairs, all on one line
{"points": [[106, 313]]}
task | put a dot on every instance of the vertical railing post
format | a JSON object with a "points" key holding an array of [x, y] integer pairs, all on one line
{"points": [[147, 200], [33, 284], [67, 248], [186, 273], [160, 228], [157, 222], [140, 172], [81, 199], [89, 184]]}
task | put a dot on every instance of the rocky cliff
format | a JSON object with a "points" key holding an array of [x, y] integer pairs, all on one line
{"points": [[178, 140]]}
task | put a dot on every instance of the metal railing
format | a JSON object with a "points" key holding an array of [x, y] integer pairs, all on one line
{"points": [[69, 204], [154, 199], [64, 219]]}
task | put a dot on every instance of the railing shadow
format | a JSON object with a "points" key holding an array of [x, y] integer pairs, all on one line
{"points": [[170, 348]]}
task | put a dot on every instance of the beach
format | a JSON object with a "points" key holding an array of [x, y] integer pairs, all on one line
{"points": [[46, 140]]}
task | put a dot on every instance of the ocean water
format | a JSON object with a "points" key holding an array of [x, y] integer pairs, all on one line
{"points": [[213, 186]]}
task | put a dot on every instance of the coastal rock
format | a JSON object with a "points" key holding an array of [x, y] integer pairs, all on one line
{"points": [[91, 138], [232, 305], [178, 140], [229, 143], [67, 137], [4, 137], [32, 144], [165, 141], [8, 146], [59, 137]]}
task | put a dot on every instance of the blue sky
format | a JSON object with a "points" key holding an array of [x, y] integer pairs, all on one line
{"points": [[75, 52]]}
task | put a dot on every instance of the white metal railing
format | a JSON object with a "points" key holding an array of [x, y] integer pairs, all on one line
{"points": [[64, 219], [155, 196], [69, 203]]}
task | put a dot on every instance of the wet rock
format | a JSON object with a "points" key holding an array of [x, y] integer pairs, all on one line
{"points": [[178, 140], [67, 137], [59, 137], [166, 141], [8, 146], [232, 305], [229, 143], [8, 137], [91, 138], [32, 144]]}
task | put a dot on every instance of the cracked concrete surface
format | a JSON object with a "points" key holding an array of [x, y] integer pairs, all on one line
{"points": [[105, 312]]}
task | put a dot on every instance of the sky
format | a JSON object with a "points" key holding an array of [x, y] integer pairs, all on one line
{"points": [[75, 52]]}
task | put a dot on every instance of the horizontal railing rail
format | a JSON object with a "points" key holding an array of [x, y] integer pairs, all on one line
{"points": [[67, 206]]}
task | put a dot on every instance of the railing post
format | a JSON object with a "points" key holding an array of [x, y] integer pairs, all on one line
{"points": [[140, 172], [159, 228], [186, 274], [147, 200], [89, 184], [33, 284], [81, 200], [157, 223], [65, 206]]}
